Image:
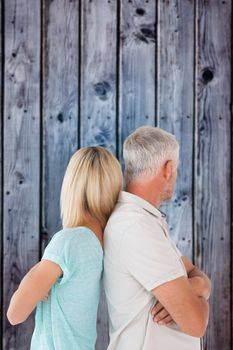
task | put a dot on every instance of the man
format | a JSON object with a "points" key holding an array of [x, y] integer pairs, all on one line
{"points": [[157, 299]]}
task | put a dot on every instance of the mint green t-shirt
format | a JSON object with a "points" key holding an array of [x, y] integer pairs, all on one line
{"points": [[67, 320]]}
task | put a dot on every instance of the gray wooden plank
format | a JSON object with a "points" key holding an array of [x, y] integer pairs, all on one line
{"points": [[21, 155], [98, 74], [212, 162], [60, 102], [137, 64], [1, 168], [98, 97], [102, 324], [175, 109]]}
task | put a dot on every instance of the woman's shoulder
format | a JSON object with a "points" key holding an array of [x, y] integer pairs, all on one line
{"points": [[80, 237], [75, 246]]}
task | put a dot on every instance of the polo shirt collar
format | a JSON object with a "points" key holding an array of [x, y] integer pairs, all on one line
{"points": [[126, 197]]}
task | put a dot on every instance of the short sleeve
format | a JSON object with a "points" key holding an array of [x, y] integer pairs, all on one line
{"points": [[56, 252], [149, 257], [75, 250], [176, 248]]}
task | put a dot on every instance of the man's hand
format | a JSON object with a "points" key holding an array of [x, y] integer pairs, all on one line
{"points": [[199, 281], [189, 311], [200, 286], [161, 316]]}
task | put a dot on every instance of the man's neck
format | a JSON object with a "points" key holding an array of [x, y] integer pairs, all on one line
{"points": [[146, 192]]}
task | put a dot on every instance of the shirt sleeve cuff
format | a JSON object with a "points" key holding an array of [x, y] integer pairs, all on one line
{"points": [[178, 272], [57, 260]]}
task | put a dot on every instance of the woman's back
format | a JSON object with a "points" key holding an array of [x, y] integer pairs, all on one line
{"points": [[71, 267], [68, 319]]}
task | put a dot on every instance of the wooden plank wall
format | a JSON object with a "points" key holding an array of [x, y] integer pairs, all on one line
{"points": [[60, 72], [213, 173], [78, 73], [21, 157], [137, 66], [175, 109], [1, 167]]}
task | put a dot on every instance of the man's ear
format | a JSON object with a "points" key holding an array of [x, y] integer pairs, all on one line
{"points": [[168, 169]]}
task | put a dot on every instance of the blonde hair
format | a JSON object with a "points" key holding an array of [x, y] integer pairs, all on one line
{"points": [[146, 150], [91, 185]]}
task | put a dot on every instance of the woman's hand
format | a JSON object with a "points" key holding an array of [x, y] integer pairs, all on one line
{"points": [[45, 297]]}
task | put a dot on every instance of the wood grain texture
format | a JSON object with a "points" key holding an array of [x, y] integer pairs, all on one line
{"points": [[130, 75], [1, 166], [102, 324], [212, 162], [60, 102], [137, 65], [175, 109], [98, 97], [21, 155], [98, 74]]}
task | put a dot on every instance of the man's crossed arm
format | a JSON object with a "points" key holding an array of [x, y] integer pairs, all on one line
{"points": [[200, 285]]}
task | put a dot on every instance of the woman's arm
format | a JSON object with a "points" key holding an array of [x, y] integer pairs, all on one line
{"points": [[32, 289]]}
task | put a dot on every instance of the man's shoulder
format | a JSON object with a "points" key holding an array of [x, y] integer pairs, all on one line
{"points": [[123, 216], [128, 218]]}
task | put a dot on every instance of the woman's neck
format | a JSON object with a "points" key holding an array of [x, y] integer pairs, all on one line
{"points": [[94, 226]]}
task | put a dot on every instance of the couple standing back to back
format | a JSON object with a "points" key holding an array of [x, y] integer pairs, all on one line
{"points": [[157, 299]]}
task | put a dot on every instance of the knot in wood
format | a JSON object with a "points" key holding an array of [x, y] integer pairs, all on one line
{"points": [[140, 11], [19, 177], [149, 32], [102, 89], [60, 118], [207, 75]]}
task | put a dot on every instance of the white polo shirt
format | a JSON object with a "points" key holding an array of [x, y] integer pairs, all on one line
{"points": [[139, 256]]}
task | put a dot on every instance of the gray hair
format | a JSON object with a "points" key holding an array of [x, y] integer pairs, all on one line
{"points": [[146, 150]]}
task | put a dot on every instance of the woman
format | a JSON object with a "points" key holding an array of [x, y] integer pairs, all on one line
{"points": [[71, 266]]}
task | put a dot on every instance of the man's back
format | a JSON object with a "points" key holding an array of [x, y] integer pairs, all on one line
{"points": [[139, 256]]}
